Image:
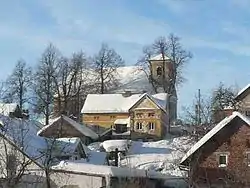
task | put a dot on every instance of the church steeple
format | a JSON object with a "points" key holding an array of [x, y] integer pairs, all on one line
{"points": [[158, 69]]}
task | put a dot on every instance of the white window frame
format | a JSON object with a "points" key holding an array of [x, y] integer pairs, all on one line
{"points": [[248, 161], [139, 125], [151, 125], [223, 155]]}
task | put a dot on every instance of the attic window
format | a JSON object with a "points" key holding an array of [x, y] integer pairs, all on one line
{"points": [[223, 160], [151, 114], [139, 115], [159, 71]]}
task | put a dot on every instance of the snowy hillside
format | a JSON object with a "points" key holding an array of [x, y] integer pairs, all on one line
{"points": [[163, 156]]}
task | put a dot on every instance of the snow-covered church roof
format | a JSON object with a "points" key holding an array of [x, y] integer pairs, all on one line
{"points": [[118, 103], [133, 78]]}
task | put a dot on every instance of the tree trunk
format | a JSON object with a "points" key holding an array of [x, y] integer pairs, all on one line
{"points": [[21, 98], [102, 81], [47, 178]]}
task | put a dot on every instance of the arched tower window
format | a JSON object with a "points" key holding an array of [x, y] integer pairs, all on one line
{"points": [[159, 71]]}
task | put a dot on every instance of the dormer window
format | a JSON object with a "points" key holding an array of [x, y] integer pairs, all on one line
{"points": [[159, 71]]}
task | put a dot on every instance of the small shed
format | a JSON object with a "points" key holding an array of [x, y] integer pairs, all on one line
{"points": [[63, 127]]}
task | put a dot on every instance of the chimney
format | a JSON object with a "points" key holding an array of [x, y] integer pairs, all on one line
{"points": [[127, 94]]}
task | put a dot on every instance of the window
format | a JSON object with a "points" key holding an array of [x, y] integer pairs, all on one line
{"points": [[112, 117], [139, 115], [151, 114], [96, 117], [247, 143], [11, 165], [247, 113], [139, 125], [159, 71], [248, 158], [223, 160], [151, 125]]}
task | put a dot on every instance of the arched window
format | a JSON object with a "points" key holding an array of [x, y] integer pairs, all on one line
{"points": [[159, 71]]}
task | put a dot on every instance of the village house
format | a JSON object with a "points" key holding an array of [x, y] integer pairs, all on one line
{"points": [[138, 115], [222, 156]]}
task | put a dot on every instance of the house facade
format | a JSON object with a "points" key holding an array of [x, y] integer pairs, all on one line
{"points": [[222, 156], [139, 115]]}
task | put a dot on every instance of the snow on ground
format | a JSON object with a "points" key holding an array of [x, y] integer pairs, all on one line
{"points": [[163, 156], [111, 145], [95, 146]]}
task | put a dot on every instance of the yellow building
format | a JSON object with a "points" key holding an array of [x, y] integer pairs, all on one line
{"points": [[140, 115]]}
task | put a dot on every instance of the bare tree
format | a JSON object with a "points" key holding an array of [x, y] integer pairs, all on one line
{"points": [[69, 79], [146, 65], [172, 48], [105, 64], [14, 163], [18, 83], [223, 97], [44, 85], [199, 116]]}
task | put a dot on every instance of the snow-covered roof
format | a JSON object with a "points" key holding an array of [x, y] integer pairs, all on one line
{"points": [[132, 78], [102, 170], [159, 57], [111, 145], [118, 103], [7, 108], [160, 99], [242, 90], [22, 134], [122, 121], [211, 133], [68, 145], [84, 130]]}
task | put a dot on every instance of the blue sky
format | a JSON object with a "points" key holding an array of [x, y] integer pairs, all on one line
{"points": [[216, 32]]}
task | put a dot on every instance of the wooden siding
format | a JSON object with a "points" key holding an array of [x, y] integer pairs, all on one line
{"points": [[103, 120]]}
